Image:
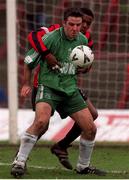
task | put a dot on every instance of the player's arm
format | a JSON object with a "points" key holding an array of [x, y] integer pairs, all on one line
{"points": [[31, 61], [35, 40], [26, 89]]}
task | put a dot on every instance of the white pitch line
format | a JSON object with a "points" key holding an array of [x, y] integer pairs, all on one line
{"points": [[51, 168], [36, 167], [117, 172]]}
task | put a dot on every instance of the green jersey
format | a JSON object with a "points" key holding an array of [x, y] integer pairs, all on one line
{"points": [[60, 46]]}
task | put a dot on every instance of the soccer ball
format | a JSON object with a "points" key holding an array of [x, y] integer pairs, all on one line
{"points": [[82, 56]]}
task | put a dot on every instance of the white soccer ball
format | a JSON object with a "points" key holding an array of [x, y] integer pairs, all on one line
{"points": [[82, 56]]}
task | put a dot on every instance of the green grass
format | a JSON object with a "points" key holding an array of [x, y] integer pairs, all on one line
{"points": [[43, 165]]}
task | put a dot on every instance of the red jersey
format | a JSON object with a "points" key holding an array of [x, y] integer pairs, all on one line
{"points": [[35, 40]]}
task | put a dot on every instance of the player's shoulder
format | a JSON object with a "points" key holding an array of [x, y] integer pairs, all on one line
{"points": [[51, 35], [54, 27], [55, 32], [50, 28], [88, 34], [82, 37]]}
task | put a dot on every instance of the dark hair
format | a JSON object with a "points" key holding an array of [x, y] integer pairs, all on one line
{"points": [[75, 12], [87, 11]]}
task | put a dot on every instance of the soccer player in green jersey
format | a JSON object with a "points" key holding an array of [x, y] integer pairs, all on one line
{"points": [[57, 90], [35, 40]]}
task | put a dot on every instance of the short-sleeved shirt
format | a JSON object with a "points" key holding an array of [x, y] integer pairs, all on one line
{"points": [[60, 46]]}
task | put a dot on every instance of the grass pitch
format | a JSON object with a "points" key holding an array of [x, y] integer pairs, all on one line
{"points": [[44, 165]]}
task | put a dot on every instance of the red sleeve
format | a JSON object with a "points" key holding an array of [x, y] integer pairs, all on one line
{"points": [[90, 41], [35, 38]]}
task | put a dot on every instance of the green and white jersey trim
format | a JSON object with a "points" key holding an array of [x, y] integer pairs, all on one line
{"points": [[30, 58], [46, 35], [40, 94]]}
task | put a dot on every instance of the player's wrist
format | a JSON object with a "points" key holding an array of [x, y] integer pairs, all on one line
{"points": [[52, 59], [27, 83], [45, 53], [49, 56]]}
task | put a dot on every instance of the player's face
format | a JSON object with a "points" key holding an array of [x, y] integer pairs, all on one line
{"points": [[72, 26], [86, 22]]}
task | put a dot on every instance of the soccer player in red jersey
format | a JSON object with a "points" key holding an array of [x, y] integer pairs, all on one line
{"points": [[60, 148]]}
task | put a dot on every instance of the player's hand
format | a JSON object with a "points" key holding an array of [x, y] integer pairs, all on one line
{"points": [[52, 62], [26, 90], [83, 70]]}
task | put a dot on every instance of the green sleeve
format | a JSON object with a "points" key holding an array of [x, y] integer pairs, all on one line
{"points": [[32, 58]]}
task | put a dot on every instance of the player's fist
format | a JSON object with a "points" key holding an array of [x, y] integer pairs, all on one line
{"points": [[83, 70], [26, 90]]}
